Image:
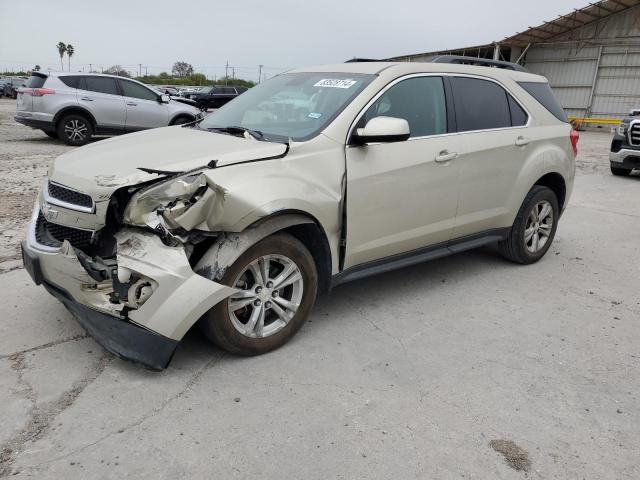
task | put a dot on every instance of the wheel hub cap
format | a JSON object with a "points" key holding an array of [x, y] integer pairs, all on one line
{"points": [[269, 294], [538, 226]]}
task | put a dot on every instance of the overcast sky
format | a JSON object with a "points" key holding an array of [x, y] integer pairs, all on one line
{"points": [[279, 34]]}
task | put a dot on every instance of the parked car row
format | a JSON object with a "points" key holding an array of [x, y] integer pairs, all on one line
{"points": [[74, 107], [215, 96], [9, 86]]}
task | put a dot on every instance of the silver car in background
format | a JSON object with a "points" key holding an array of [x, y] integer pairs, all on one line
{"points": [[75, 106]]}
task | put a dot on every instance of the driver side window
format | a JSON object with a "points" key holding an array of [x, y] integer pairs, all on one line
{"points": [[419, 100]]}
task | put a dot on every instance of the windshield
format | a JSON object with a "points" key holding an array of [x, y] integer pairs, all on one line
{"points": [[292, 105]]}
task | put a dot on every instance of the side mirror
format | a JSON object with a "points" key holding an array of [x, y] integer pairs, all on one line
{"points": [[164, 98], [382, 130]]}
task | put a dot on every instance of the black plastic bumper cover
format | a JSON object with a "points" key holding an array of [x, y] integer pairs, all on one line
{"points": [[40, 124], [123, 339]]}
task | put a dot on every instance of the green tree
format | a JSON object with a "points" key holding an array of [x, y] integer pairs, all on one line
{"points": [[182, 69], [62, 48], [36, 68], [117, 70], [70, 54]]}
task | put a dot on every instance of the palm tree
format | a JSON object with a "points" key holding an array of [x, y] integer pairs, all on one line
{"points": [[61, 49], [70, 53]]}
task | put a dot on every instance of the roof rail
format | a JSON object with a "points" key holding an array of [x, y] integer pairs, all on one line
{"points": [[483, 62]]}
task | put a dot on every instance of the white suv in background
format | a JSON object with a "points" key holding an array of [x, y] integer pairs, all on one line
{"points": [[74, 106], [237, 221]]}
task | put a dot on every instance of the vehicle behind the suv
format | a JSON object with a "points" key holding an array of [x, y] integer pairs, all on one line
{"points": [[216, 96], [74, 107], [11, 86], [625, 146]]}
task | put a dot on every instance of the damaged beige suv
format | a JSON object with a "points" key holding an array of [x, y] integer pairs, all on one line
{"points": [[316, 177]]}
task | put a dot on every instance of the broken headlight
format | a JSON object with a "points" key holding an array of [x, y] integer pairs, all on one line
{"points": [[181, 203]]}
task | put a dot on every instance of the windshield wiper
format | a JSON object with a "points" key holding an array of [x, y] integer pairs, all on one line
{"points": [[234, 130]]}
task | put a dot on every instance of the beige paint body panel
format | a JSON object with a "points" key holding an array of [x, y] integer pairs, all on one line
{"points": [[398, 198]]}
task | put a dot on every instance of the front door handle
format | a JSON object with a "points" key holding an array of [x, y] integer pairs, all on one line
{"points": [[132, 104], [446, 156], [522, 141], [87, 99]]}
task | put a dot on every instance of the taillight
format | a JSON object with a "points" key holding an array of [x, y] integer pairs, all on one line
{"points": [[574, 136], [37, 92]]}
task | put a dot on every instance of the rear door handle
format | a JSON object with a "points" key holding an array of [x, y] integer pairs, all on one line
{"points": [[87, 99], [522, 141], [132, 104], [446, 156]]}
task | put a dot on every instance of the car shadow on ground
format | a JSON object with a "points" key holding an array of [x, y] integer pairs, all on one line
{"points": [[422, 280]]}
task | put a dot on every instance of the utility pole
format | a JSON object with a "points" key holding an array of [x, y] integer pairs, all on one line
{"points": [[140, 71], [146, 72], [226, 72], [233, 73], [90, 69], [260, 73]]}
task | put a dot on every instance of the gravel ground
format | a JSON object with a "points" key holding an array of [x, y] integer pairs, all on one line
{"points": [[466, 367]]}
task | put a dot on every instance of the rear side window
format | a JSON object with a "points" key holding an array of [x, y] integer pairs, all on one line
{"points": [[71, 81], [131, 89], [480, 104], [518, 115], [543, 94], [100, 85], [36, 81]]}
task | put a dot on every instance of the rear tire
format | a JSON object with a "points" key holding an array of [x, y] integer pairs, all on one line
{"points": [[74, 129], [534, 227], [263, 317], [620, 172]]}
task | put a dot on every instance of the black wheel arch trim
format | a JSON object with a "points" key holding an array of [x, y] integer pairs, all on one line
{"points": [[78, 111], [228, 248], [182, 115]]}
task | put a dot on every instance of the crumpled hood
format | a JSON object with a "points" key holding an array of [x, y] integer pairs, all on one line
{"points": [[105, 165]]}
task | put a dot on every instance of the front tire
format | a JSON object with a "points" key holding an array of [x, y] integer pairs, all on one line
{"points": [[534, 227], [620, 172], [74, 130], [278, 284]]}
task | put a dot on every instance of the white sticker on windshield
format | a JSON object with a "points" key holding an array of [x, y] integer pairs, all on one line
{"points": [[335, 83], [315, 115]]}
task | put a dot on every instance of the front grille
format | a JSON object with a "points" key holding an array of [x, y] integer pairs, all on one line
{"points": [[67, 195], [634, 134], [52, 235]]}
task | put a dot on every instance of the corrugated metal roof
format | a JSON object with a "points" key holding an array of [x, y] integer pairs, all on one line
{"points": [[548, 30], [565, 23]]}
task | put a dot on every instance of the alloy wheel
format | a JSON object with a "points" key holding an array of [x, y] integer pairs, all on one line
{"points": [[271, 289], [75, 130], [539, 226]]}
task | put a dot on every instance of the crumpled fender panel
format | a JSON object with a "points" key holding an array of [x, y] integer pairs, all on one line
{"points": [[181, 297], [228, 248]]}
